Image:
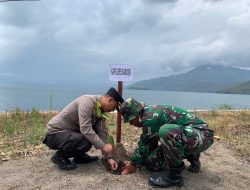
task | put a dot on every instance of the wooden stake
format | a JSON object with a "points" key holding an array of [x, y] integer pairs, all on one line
{"points": [[118, 117]]}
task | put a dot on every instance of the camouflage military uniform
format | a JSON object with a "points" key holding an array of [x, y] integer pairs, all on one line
{"points": [[180, 134]]}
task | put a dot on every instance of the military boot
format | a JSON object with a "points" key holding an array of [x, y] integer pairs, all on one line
{"points": [[195, 163], [85, 158], [62, 161], [171, 177]]}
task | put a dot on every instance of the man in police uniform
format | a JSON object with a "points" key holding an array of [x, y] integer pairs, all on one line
{"points": [[181, 135], [80, 125]]}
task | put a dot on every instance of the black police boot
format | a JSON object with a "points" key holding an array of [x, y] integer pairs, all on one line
{"points": [[172, 177], [85, 158], [195, 164], [62, 161]]}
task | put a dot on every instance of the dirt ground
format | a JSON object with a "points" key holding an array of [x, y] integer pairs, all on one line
{"points": [[220, 170]]}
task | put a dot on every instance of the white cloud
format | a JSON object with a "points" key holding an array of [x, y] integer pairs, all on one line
{"points": [[14, 39]]}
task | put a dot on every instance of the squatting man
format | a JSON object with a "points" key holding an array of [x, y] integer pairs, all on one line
{"points": [[181, 134], [80, 125]]}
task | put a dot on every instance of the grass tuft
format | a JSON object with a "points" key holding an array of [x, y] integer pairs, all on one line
{"points": [[21, 131]]}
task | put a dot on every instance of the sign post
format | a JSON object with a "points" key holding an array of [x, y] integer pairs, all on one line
{"points": [[120, 72], [118, 117]]}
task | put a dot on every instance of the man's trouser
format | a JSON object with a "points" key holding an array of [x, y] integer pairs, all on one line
{"points": [[69, 143], [177, 142]]}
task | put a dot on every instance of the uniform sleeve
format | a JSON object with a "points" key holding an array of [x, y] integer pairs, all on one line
{"points": [[85, 110], [102, 130], [148, 142]]}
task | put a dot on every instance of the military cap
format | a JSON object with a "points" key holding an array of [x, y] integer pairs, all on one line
{"points": [[130, 109], [114, 94]]}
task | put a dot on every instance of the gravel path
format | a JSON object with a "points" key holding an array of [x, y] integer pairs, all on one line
{"points": [[220, 170]]}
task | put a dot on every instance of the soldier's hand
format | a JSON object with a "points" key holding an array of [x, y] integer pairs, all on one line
{"points": [[128, 168], [112, 164], [108, 148]]}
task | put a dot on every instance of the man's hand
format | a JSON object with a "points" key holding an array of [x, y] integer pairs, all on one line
{"points": [[128, 168], [112, 164], [108, 148]]}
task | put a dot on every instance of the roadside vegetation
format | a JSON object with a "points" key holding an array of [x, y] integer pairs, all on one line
{"points": [[22, 132], [231, 127]]}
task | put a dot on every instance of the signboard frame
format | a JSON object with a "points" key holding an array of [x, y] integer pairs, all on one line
{"points": [[121, 72]]}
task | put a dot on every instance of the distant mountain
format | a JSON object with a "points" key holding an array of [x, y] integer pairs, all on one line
{"points": [[242, 88], [208, 78]]}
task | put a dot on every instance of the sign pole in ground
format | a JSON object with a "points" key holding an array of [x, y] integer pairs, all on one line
{"points": [[120, 72], [118, 117]]}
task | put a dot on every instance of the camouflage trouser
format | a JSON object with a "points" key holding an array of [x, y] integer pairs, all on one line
{"points": [[177, 142]]}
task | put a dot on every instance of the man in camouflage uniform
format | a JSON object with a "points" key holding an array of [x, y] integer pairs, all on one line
{"points": [[181, 135]]}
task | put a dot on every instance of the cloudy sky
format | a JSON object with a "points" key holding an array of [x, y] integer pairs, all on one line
{"points": [[73, 42]]}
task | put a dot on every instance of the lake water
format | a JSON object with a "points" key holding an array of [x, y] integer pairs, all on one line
{"points": [[46, 97]]}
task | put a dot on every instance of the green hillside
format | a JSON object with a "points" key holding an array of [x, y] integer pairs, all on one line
{"points": [[242, 88]]}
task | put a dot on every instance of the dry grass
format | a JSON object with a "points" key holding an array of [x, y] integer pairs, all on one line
{"points": [[21, 133], [233, 127]]}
